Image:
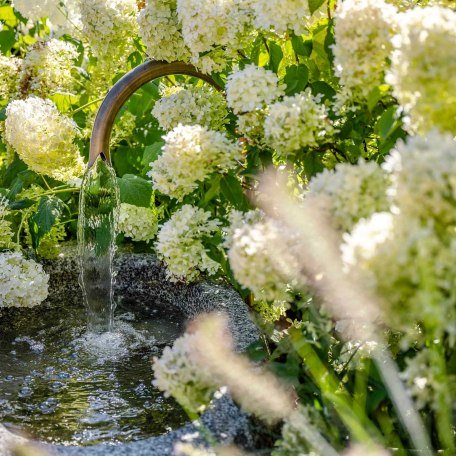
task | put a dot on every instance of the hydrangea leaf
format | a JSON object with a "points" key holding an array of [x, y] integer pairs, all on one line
{"points": [[49, 210], [134, 190]]}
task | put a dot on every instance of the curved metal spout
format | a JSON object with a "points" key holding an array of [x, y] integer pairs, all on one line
{"points": [[122, 91]]}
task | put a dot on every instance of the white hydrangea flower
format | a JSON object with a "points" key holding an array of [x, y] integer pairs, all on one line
{"points": [[110, 26], [9, 77], [160, 31], [47, 68], [191, 105], [289, 15], [43, 138], [190, 154], [350, 192], [252, 88], [137, 223], [6, 233], [423, 68], [296, 122], [179, 243], [260, 255], [23, 283], [363, 31], [179, 374], [423, 176]]}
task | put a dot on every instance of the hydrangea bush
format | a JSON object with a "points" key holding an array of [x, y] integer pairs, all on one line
{"points": [[352, 101]]}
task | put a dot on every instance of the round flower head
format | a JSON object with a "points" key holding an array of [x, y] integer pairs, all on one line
{"points": [[138, 223], [160, 31], [423, 68], [9, 77], [252, 88], [289, 15], [179, 243], [190, 154], [23, 283], [47, 68], [179, 374], [297, 122], [191, 106], [351, 192], [363, 31], [43, 138]]}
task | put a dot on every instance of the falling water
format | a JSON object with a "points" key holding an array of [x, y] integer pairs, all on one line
{"points": [[98, 209]]}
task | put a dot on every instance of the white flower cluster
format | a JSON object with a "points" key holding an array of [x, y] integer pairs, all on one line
{"points": [[191, 105], [190, 154], [6, 233], [363, 31], [160, 31], [289, 15], [43, 138], [260, 256], [179, 374], [423, 68], [9, 77], [47, 68], [252, 88], [179, 243], [296, 122], [137, 223], [110, 26], [350, 192], [23, 283]]}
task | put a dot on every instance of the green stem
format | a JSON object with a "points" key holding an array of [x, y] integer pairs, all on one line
{"points": [[90, 103]]}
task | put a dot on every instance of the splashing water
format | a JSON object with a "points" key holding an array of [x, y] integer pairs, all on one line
{"points": [[98, 211]]}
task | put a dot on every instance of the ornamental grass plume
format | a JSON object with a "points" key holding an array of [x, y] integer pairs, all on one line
{"points": [[43, 138], [423, 68], [190, 154]]}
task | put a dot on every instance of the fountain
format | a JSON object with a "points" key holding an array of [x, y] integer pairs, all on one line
{"points": [[90, 393]]}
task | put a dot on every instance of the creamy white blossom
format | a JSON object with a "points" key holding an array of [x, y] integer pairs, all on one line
{"points": [[6, 233], [296, 122], [23, 283], [137, 223], [350, 192], [43, 138], [9, 77], [180, 245], [191, 105], [190, 154], [47, 68], [179, 374], [363, 31], [252, 88], [423, 68], [160, 31]]}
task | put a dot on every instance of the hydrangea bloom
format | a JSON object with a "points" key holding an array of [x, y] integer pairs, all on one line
{"points": [[191, 105], [290, 15], [9, 77], [190, 154], [43, 138], [137, 223], [110, 26], [6, 233], [160, 30], [423, 175], [179, 243], [423, 68], [47, 68], [260, 257], [49, 247], [23, 283], [351, 192], [179, 374], [252, 88], [363, 31], [296, 122]]}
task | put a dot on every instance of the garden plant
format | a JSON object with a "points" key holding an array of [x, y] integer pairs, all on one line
{"points": [[319, 181]]}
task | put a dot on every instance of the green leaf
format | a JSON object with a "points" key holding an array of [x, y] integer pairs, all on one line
{"points": [[375, 95], [275, 56], [302, 46], [296, 79], [213, 191], [49, 210], [232, 191], [387, 123], [7, 40], [135, 190], [151, 153], [7, 16], [127, 160], [323, 88], [64, 101], [314, 5]]}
